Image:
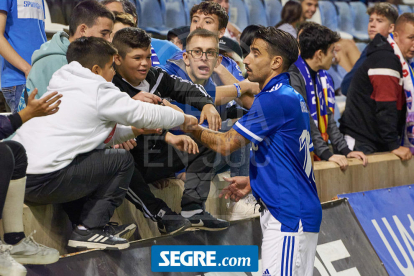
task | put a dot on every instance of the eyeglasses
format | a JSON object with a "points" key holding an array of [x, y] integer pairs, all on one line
{"points": [[210, 54]]}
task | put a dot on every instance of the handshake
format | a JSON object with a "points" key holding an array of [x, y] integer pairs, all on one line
{"points": [[190, 122]]}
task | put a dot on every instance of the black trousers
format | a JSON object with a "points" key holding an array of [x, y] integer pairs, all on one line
{"points": [[162, 162], [13, 165], [92, 186]]}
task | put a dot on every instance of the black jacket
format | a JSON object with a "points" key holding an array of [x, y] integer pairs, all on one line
{"points": [[166, 87], [375, 104]]}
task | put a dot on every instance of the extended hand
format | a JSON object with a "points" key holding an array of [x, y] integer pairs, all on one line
{"points": [[173, 106], [403, 152], [128, 145], [239, 187], [359, 155], [210, 113], [147, 97], [190, 123], [340, 160], [47, 105], [182, 143]]}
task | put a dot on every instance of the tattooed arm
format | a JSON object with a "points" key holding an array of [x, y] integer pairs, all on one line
{"points": [[221, 142]]}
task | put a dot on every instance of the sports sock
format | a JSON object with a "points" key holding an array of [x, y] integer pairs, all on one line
{"points": [[13, 210]]}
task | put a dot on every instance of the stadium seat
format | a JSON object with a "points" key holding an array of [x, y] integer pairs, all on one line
{"points": [[329, 15], [176, 13], [345, 23], [273, 11], [257, 12], [361, 19], [404, 8], [239, 14], [137, 4], [153, 16], [191, 3]]}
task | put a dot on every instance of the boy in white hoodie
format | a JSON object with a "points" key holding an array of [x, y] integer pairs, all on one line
{"points": [[64, 163]]}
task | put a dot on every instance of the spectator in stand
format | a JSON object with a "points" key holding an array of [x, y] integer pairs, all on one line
{"points": [[309, 77], [231, 49], [135, 76], [382, 17], [114, 5], [68, 164], [13, 164], [178, 36], [246, 38], [291, 17], [88, 18], [122, 20], [375, 112], [232, 31], [19, 23]]}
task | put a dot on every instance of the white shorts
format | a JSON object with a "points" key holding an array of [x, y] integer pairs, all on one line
{"points": [[286, 253]]}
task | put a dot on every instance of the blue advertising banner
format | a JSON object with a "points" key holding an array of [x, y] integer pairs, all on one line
{"points": [[386, 215]]}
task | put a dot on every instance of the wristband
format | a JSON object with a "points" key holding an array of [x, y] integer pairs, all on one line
{"points": [[238, 90]]}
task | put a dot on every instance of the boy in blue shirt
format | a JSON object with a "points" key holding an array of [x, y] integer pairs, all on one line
{"points": [[22, 31], [281, 173]]}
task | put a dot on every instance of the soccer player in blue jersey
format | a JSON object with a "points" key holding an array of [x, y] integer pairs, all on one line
{"points": [[281, 173]]}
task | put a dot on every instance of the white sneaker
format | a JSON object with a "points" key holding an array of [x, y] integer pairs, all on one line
{"points": [[245, 208], [8, 266], [28, 251]]}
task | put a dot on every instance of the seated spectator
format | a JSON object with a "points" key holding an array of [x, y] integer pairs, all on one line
{"points": [[232, 31], [88, 18], [114, 5], [382, 17], [178, 36], [246, 38], [231, 49], [309, 77], [136, 77], [375, 112], [13, 164], [122, 20], [291, 17], [65, 164]]}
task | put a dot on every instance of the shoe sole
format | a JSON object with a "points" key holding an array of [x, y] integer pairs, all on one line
{"points": [[179, 230], [127, 232], [94, 245], [36, 260]]}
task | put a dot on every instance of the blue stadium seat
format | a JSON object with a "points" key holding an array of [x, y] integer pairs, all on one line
{"points": [[176, 13], [404, 8], [139, 10], [273, 11], [345, 23], [239, 14], [257, 12], [361, 19], [328, 15], [153, 16], [191, 3]]}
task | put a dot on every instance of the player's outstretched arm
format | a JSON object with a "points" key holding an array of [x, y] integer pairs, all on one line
{"points": [[239, 187], [223, 143]]}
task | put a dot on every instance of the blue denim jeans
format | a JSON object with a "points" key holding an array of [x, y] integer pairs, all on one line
{"points": [[12, 95]]}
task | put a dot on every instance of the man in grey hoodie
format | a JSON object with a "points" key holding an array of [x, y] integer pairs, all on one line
{"points": [[89, 18]]}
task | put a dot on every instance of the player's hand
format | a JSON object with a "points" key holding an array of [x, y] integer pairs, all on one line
{"points": [[182, 143], [47, 105], [340, 160], [161, 184], [173, 106], [210, 113], [403, 152], [147, 97], [128, 145], [144, 131], [190, 123], [359, 155], [239, 187]]}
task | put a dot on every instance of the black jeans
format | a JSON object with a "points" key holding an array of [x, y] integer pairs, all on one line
{"points": [[92, 186], [13, 165], [162, 162]]}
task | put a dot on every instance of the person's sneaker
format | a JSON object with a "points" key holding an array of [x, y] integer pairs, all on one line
{"points": [[170, 222], [96, 238], [8, 266], [245, 208], [205, 221], [28, 251], [124, 231]]}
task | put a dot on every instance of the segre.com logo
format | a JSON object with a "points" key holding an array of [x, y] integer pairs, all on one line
{"points": [[205, 258]]}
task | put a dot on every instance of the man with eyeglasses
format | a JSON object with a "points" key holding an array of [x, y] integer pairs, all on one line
{"points": [[158, 157]]}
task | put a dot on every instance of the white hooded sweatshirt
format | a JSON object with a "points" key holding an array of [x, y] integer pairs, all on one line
{"points": [[90, 109]]}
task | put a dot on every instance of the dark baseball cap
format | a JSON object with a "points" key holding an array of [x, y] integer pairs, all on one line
{"points": [[229, 45]]}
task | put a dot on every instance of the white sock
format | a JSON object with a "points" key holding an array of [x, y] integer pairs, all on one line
{"points": [[188, 214], [13, 207]]}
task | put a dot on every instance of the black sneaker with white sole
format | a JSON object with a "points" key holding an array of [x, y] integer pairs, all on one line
{"points": [[124, 231], [170, 222], [96, 238], [205, 221]]}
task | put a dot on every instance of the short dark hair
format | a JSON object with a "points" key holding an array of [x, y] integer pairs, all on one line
{"points": [[209, 7], [131, 38], [124, 18], [202, 33], [279, 43], [90, 51], [385, 9], [316, 37], [247, 37], [87, 12], [306, 24]]}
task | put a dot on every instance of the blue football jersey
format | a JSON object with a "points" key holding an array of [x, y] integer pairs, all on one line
{"points": [[281, 172]]}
